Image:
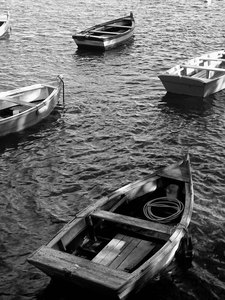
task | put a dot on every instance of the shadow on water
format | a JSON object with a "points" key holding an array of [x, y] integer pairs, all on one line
{"points": [[187, 103], [175, 283], [163, 289], [13, 140]]}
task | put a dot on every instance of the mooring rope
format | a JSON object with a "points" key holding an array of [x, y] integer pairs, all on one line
{"points": [[163, 204]]}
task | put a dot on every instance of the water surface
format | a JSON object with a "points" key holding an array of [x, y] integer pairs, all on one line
{"points": [[117, 125]]}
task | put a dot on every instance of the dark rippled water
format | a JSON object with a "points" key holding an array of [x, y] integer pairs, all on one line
{"points": [[117, 124]]}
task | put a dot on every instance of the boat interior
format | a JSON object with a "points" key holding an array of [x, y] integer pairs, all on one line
{"points": [[18, 102], [112, 29], [123, 237], [202, 67]]}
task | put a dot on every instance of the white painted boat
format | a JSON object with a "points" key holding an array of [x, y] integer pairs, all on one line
{"points": [[24, 107], [4, 25], [106, 35], [200, 76], [121, 242]]}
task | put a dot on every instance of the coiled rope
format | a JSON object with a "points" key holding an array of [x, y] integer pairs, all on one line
{"points": [[163, 210]]}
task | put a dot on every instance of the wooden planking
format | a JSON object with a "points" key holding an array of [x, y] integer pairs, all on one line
{"points": [[110, 251], [201, 74], [212, 59], [70, 231], [131, 221], [104, 32], [202, 68], [18, 101], [131, 243], [119, 26], [136, 255], [123, 252], [77, 269]]}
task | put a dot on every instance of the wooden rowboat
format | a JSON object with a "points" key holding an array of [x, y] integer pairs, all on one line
{"points": [[24, 107], [4, 25], [106, 35], [200, 76], [121, 242]]}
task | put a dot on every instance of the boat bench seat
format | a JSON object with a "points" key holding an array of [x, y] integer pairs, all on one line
{"points": [[201, 74], [124, 252], [118, 26], [212, 59], [104, 32], [202, 68], [17, 101], [77, 269], [144, 227]]}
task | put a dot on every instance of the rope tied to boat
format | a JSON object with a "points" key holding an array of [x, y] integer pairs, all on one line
{"points": [[163, 210]]}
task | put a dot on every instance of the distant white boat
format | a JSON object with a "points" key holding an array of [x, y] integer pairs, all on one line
{"points": [[200, 76], [4, 25]]}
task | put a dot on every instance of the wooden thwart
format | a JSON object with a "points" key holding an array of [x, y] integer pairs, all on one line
{"points": [[123, 252], [18, 101], [104, 32], [77, 268], [119, 26], [212, 59], [202, 68], [132, 222]]}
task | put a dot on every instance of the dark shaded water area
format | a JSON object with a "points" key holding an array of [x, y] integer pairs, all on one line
{"points": [[118, 124]]}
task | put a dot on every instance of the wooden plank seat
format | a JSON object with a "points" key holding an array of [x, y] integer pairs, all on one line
{"points": [[144, 227], [212, 59], [17, 101], [104, 32], [202, 68], [78, 269], [201, 74], [118, 26], [124, 252]]}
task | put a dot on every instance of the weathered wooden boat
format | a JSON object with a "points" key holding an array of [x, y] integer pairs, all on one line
{"points": [[121, 242], [106, 35], [24, 107], [200, 76], [4, 25]]}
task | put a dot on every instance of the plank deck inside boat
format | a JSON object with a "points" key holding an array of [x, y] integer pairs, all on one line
{"points": [[124, 252]]}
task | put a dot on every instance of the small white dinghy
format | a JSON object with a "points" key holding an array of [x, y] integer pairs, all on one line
{"points": [[200, 76], [24, 107]]}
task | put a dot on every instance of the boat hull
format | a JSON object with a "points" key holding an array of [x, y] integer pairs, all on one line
{"points": [[103, 44], [23, 119], [106, 35], [192, 87], [130, 258]]}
